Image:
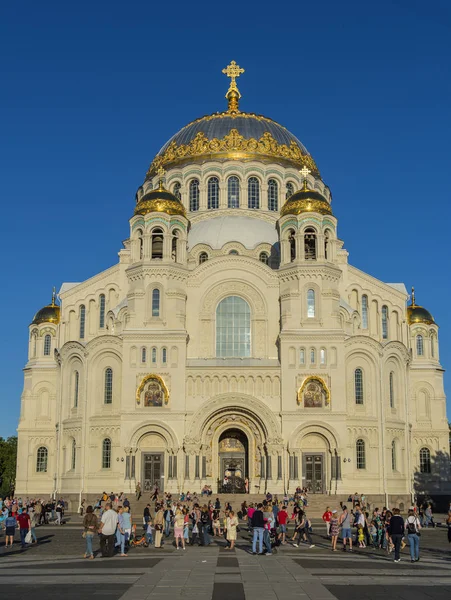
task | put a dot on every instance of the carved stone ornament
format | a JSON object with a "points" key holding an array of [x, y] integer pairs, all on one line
{"points": [[313, 393], [152, 391]]}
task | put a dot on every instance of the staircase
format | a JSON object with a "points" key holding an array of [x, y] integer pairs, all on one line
{"points": [[317, 503]]}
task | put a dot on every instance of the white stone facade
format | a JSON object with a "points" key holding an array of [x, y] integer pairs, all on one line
{"points": [[398, 409]]}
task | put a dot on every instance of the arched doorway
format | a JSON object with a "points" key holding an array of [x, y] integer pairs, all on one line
{"points": [[233, 453]]}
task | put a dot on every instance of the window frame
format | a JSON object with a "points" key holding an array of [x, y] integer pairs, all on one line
{"points": [[73, 456], [273, 195], [360, 450], [384, 313], [359, 394], [364, 311], [194, 195], [47, 344], [106, 453], [143, 355], [42, 459], [108, 386], [391, 389], [238, 337], [213, 193], [419, 339], [156, 303], [203, 257], [393, 456], [82, 328], [311, 304], [102, 306], [425, 460], [233, 186], [76, 388], [253, 193]]}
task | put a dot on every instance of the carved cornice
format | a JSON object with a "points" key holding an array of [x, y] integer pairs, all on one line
{"points": [[307, 271], [248, 265]]}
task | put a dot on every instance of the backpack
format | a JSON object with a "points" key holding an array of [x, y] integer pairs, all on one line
{"points": [[411, 527], [204, 518]]}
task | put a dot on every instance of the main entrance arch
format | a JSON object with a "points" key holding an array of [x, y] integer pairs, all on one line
{"points": [[233, 461], [248, 420]]}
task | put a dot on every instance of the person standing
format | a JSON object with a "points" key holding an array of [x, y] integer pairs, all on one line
{"points": [[146, 515], [90, 523], [159, 518], [326, 518], [258, 525], [282, 517], [232, 523], [413, 527], [179, 522], [10, 529], [345, 522], [206, 524], [396, 532], [107, 530], [24, 526], [334, 529]]}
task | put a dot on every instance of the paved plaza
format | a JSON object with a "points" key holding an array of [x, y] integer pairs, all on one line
{"points": [[55, 569]]}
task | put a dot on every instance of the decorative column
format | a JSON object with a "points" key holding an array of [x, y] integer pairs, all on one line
{"points": [[202, 196]]}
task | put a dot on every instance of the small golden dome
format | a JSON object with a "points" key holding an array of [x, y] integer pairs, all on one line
{"points": [[48, 314], [306, 200], [418, 314], [160, 200]]}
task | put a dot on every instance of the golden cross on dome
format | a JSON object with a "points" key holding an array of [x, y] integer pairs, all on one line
{"points": [[413, 296], [233, 71], [233, 93], [304, 172]]}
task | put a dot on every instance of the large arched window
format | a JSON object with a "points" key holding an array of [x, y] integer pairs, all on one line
{"points": [[233, 192], [425, 460], [106, 453], [194, 195], [233, 328], [213, 192], [385, 322], [311, 304], [155, 302], [420, 345], [289, 190], [42, 457], [310, 244], [73, 458], [108, 390], [47, 345], [358, 386], [102, 311], [360, 454], [273, 195], [253, 193], [393, 455], [157, 243], [76, 387], [391, 389], [176, 190], [365, 312], [82, 321]]}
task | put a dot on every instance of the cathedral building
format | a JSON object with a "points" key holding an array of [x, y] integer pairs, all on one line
{"points": [[232, 343]]}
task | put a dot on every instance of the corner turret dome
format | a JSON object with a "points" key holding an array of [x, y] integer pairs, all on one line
{"points": [[48, 314], [418, 314], [160, 200], [306, 200]]}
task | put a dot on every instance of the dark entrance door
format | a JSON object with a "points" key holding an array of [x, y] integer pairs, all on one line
{"points": [[314, 473], [153, 471], [233, 461]]}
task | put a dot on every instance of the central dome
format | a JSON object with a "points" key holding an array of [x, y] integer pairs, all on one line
{"points": [[233, 135]]}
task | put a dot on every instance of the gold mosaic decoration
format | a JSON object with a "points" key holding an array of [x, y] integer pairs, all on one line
{"points": [[231, 146]]}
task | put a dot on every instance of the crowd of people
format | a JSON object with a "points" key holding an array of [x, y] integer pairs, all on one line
{"points": [[189, 520]]}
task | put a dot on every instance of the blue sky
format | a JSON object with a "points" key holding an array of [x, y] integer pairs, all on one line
{"points": [[91, 91]]}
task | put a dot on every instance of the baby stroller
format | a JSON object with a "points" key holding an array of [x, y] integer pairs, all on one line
{"points": [[138, 540]]}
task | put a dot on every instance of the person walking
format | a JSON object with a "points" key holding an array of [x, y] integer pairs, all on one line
{"points": [[396, 532], [232, 523], [258, 525], [413, 528], [282, 518], [24, 526], [107, 530], [302, 530], [90, 524], [138, 491], [345, 522]]}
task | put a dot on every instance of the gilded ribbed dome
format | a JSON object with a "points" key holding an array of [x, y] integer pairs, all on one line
{"points": [[418, 314], [233, 135], [48, 314], [160, 200], [306, 200]]}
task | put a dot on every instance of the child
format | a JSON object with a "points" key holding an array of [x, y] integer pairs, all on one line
{"points": [[216, 524], [373, 533], [361, 536], [149, 534]]}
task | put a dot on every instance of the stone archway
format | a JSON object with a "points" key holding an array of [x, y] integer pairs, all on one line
{"points": [[255, 421]]}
